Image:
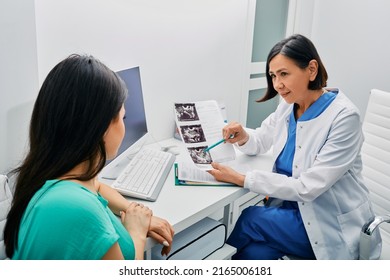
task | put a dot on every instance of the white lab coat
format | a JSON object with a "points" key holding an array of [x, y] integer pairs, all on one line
{"points": [[326, 180]]}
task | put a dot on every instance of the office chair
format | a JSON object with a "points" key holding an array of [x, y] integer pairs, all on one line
{"points": [[376, 171], [5, 204]]}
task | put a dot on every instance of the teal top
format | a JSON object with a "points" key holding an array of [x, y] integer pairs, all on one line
{"points": [[65, 220]]}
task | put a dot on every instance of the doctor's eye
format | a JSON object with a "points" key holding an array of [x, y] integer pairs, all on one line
{"points": [[283, 74]]}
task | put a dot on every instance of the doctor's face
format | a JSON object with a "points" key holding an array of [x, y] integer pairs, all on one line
{"points": [[289, 80]]}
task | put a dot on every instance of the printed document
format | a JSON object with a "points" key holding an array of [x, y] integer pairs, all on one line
{"points": [[200, 125]]}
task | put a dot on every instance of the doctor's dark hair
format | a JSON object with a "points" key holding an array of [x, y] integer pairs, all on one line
{"points": [[301, 50], [78, 100]]}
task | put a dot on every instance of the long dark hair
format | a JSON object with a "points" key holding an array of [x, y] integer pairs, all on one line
{"points": [[75, 105], [301, 50]]}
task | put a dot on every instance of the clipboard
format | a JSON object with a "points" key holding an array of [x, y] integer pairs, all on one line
{"points": [[179, 182]]}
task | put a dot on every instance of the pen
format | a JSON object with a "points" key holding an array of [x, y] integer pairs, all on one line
{"points": [[216, 144]]}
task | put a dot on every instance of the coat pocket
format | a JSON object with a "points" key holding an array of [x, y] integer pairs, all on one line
{"points": [[351, 224]]}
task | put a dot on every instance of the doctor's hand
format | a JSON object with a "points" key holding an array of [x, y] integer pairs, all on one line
{"points": [[236, 129], [161, 231], [224, 173]]}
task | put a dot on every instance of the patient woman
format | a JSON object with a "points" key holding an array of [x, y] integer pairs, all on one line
{"points": [[60, 210]]}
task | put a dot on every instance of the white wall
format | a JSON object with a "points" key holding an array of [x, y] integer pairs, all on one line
{"points": [[353, 40], [18, 77], [187, 50]]}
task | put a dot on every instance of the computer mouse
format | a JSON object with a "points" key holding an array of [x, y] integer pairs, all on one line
{"points": [[171, 149]]}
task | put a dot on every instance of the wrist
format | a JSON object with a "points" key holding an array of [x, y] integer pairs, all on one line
{"points": [[139, 247], [138, 237], [123, 210], [243, 141], [240, 180]]}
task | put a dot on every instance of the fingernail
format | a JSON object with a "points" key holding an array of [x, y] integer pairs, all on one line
{"points": [[165, 243]]}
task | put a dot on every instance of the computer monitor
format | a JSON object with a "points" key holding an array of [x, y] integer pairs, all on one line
{"points": [[135, 124]]}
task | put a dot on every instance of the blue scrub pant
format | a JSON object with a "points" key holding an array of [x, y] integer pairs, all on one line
{"points": [[269, 233]]}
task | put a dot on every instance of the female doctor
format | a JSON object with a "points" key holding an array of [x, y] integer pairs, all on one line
{"points": [[318, 201]]}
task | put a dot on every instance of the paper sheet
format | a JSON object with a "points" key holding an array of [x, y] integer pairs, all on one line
{"points": [[200, 125], [186, 171]]}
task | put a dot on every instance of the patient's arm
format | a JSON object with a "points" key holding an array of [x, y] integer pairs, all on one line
{"points": [[159, 229], [116, 201], [114, 253]]}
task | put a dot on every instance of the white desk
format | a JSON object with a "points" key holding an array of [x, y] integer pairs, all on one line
{"points": [[183, 206]]}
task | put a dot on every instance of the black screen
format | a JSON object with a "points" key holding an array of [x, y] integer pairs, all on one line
{"points": [[135, 121]]}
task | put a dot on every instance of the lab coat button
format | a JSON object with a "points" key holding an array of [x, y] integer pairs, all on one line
{"points": [[296, 166], [299, 147], [308, 223]]}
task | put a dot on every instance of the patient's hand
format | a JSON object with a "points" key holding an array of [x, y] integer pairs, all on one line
{"points": [[162, 232], [137, 219]]}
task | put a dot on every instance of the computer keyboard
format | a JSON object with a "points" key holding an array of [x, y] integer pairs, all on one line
{"points": [[145, 175]]}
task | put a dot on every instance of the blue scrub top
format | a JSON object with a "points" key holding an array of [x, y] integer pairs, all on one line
{"points": [[284, 161]]}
